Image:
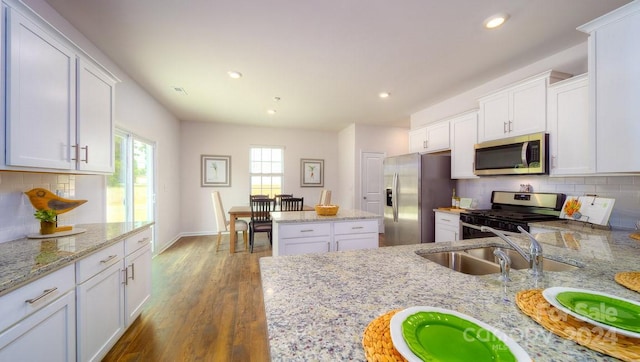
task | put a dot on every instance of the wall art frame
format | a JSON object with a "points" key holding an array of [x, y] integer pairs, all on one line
{"points": [[215, 171], [311, 172]]}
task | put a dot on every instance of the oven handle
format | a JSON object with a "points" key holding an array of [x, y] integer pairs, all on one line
{"points": [[523, 156], [464, 224]]}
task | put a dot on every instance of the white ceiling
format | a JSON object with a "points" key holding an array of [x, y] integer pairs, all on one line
{"points": [[327, 60]]}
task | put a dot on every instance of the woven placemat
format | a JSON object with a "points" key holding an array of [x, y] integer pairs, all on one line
{"points": [[377, 340], [630, 280], [533, 304]]}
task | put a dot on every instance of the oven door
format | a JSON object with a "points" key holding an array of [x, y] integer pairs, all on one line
{"points": [[471, 231]]}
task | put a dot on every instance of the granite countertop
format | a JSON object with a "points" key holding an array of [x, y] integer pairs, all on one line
{"points": [[318, 305], [24, 260], [311, 216]]}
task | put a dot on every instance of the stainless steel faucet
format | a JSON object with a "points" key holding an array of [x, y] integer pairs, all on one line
{"points": [[505, 264], [534, 256]]}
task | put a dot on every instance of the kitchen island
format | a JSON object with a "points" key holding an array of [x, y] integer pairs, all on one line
{"points": [[301, 232], [318, 305]]}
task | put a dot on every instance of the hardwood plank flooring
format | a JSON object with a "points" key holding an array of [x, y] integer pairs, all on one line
{"points": [[205, 306]]}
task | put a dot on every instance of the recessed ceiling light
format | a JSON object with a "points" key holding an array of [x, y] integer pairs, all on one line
{"points": [[495, 21], [271, 111], [235, 75], [384, 94]]}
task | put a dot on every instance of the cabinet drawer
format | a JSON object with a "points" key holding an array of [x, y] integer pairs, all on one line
{"points": [[35, 295], [99, 261], [135, 242], [304, 230], [447, 219], [356, 227]]}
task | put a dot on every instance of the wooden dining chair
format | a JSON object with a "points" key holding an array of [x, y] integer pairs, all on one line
{"points": [[292, 204], [279, 198], [261, 219], [221, 220]]}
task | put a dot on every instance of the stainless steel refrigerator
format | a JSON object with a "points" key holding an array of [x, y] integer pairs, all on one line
{"points": [[415, 184]]}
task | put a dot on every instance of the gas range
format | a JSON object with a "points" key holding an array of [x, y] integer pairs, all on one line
{"points": [[510, 210]]}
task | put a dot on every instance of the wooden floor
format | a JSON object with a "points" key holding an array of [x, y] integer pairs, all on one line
{"points": [[205, 306]]}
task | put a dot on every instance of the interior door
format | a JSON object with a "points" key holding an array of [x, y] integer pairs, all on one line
{"points": [[372, 185]]}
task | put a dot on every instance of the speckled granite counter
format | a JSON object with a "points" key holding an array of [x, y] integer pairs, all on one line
{"points": [[311, 216], [318, 305], [25, 260]]}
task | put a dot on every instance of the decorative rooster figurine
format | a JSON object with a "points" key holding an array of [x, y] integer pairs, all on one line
{"points": [[43, 199]]}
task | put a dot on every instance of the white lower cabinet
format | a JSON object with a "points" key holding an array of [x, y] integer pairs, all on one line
{"points": [[322, 237], [447, 227], [113, 286], [38, 320], [100, 292]]}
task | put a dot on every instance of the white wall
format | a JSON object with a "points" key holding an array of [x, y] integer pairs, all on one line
{"points": [[195, 209]]}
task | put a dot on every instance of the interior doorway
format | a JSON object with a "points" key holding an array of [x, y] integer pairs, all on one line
{"points": [[372, 178]]}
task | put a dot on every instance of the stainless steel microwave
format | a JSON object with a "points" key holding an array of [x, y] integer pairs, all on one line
{"points": [[522, 155]]}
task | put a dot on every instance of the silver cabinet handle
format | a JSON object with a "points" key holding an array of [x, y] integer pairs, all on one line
{"points": [[108, 259], [126, 276], [329, 245], [510, 128], [306, 230], [133, 271], [44, 294], [504, 127], [357, 227], [86, 154], [143, 240], [75, 151]]}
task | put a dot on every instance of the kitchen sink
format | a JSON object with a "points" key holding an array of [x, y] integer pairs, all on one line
{"points": [[517, 261], [463, 262]]}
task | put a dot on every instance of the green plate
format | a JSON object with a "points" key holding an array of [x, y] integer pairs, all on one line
{"points": [[602, 308], [435, 336]]}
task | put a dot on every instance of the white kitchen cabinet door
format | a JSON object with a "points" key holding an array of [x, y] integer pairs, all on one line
{"points": [[418, 140], [447, 227], [614, 80], [516, 110], [41, 97], [571, 135], [356, 241], [494, 117], [46, 335], [314, 244], [432, 138], [95, 119], [464, 136], [100, 313], [138, 284]]}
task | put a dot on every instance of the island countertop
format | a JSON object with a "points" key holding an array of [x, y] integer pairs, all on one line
{"points": [[24, 260], [311, 216], [318, 305]]}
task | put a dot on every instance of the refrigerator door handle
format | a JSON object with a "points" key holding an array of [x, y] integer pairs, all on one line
{"points": [[394, 197]]}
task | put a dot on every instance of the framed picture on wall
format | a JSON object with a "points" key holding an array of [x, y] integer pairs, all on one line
{"points": [[215, 171], [311, 173]]}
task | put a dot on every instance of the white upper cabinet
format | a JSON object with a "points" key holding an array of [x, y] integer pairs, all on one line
{"points": [[571, 137], [516, 110], [40, 108], [95, 118], [58, 103], [614, 78], [464, 136], [432, 138]]}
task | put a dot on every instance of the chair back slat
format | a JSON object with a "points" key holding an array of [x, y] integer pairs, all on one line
{"points": [[292, 204], [279, 199], [261, 209]]}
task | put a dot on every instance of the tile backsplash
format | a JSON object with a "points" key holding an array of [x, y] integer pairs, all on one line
{"points": [[625, 189], [16, 211]]}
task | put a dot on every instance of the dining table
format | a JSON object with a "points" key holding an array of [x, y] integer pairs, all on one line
{"points": [[236, 212]]}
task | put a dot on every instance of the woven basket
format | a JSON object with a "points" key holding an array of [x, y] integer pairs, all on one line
{"points": [[376, 340], [326, 210], [532, 303], [630, 280]]}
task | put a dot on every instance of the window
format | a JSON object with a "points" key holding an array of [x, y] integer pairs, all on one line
{"points": [[266, 170], [130, 189]]}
